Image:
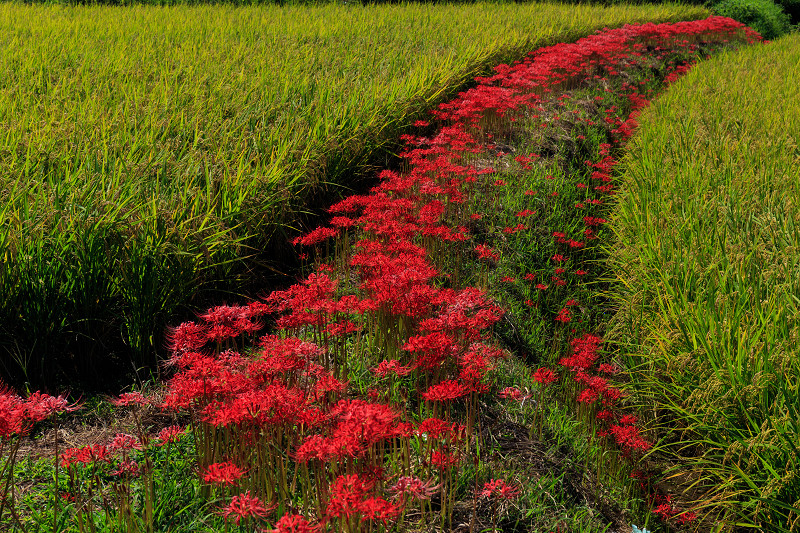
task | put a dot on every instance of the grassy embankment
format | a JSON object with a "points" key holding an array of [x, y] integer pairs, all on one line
{"points": [[707, 254], [147, 154]]}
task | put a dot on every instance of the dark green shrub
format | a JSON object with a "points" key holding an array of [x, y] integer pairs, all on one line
{"points": [[764, 16], [791, 8]]}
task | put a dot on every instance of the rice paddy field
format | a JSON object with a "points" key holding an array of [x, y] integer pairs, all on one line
{"points": [[152, 156], [707, 255], [552, 285]]}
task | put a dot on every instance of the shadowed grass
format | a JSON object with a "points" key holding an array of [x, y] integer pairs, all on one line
{"points": [[707, 256]]}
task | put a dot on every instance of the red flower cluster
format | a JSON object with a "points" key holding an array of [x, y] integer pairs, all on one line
{"points": [[385, 281], [497, 488], [353, 496], [244, 506], [294, 523], [18, 415], [545, 376], [222, 474]]}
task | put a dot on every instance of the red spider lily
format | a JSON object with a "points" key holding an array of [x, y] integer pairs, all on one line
{"points": [[485, 252], [124, 443], [611, 395], [514, 229], [350, 496], [127, 468], [545, 376], [605, 415], [222, 473], [584, 353], [294, 523], [524, 161], [327, 383], [18, 415], [443, 459], [316, 236], [592, 221], [131, 398], [275, 404], [187, 337], [379, 509], [410, 486], [607, 369], [342, 222], [597, 383], [257, 309], [431, 213], [169, 434], [225, 322], [513, 393], [526, 213], [392, 367], [314, 294], [588, 395], [564, 315], [498, 488], [95, 453], [430, 350], [244, 506], [399, 283], [466, 312], [281, 356], [38, 406], [629, 437], [665, 510], [342, 328], [606, 189], [474, 365], [446, 391], [356, 426], [434, 428]]}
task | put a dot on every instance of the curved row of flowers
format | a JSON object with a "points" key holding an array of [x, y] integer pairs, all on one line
{"points": [[397, 305]]}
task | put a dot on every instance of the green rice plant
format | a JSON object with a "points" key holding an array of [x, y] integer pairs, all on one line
{"points": [[706, 256], [151, 155]]}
